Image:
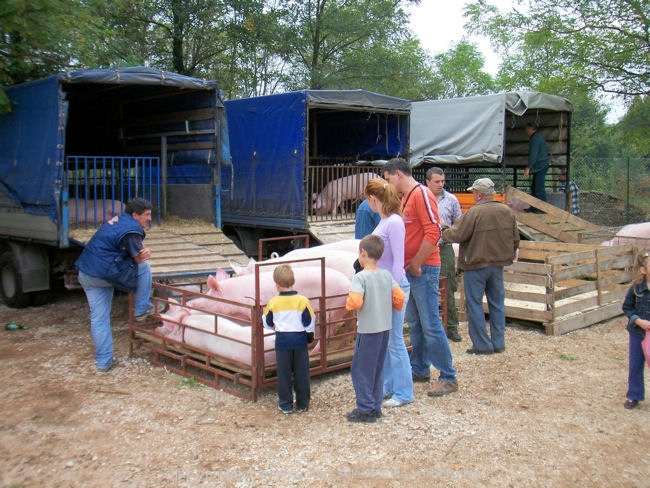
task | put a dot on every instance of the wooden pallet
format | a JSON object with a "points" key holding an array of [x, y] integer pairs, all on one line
{"points": [[553, 224]]}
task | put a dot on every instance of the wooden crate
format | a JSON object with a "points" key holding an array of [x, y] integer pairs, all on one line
{"points": [[565, 286]]}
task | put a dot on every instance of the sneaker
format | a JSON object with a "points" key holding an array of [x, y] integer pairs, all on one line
{"points": [[106, 369], [630, 404], [394, 402], [356, 416], [160, 307], [285, 411], [473, 350], [443, 388]]}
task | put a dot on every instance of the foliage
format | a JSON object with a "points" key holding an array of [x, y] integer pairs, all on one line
{"points": [[459, 72], [632, 131], [601, 44]]}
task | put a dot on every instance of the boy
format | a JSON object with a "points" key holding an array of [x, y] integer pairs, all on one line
{"points": [[373, 293], [292, 318]]}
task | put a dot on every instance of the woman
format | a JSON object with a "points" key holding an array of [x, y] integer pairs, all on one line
{"points": [[398, 381]]}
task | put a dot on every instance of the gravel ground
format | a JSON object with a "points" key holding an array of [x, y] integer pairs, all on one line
{"points": [[547, 412]]}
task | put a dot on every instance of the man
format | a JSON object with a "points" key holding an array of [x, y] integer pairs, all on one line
{"points": [[422, 263], [449, 211], [572, 191], [365, 220], [537, 162], [115, 258], [489, 239]]}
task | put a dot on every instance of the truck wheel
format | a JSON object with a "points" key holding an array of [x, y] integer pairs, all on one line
{"points": [[11, 285]]}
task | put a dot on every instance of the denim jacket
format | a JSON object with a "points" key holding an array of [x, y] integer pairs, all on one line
{"points": [[637, 305]]}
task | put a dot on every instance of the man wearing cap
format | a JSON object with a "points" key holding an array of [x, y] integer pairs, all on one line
{"points": [[489, 239]]}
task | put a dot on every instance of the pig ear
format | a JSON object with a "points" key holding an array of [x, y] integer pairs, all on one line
{"points": [[221, 275]]}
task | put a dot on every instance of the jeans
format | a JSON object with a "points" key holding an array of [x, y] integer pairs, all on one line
{"points": [[489, 281], [398, 381], [293, 362], [428, 339], [635, 384], [100, 297]]}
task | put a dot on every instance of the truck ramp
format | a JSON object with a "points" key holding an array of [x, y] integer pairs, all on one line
{"points": [[326, 232], [547, 222], [184, 249]]}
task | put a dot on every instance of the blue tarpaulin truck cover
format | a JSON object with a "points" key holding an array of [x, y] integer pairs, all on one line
{"points": [[33, 134]]}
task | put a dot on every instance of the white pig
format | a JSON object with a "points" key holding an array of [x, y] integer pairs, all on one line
{"points": [[342, 261], [636, 234], [337, 191], [93, 211]]}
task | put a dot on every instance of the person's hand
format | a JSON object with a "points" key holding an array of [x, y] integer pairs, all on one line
{"points": [[415, 270], [526, 172], [143, 255], [644, 324]]}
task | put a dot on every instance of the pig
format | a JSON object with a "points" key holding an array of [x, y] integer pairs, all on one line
{"points": [[93, 211], [342, 261], [636, 234], [337, 191], [241, 290], [221, 336]]}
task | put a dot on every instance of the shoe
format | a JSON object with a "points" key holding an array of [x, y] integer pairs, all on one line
{"points": [[106, 369], [302, 410], [286, 412], [443, 388], [420, 379], [378, 414], [159, 308], [473, 350], [630, 404], [454, 336], [393, 403], [356, 416], [387, 396], [499, 350]]}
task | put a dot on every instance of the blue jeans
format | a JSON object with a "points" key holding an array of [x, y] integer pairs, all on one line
{"points": [[635, 384], [489, 281], [100, 296], [428, 339], [398, 381]]}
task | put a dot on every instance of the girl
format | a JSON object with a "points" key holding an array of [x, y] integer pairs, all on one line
{"points": [[382, 198], [636, 307]]}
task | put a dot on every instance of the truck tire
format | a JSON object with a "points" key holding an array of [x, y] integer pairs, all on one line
{"points": [[11, 286]]}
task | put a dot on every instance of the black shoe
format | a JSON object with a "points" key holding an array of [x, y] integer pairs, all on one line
{"points": [[356, 416], [420, 379], [499, 350], [452, 335], [476, 351], [630, 404]]}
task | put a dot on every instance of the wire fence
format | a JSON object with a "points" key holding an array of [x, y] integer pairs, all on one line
{"points": [[613, 191]]}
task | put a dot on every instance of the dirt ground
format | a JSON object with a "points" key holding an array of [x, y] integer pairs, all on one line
{"points": [[547, 412]]}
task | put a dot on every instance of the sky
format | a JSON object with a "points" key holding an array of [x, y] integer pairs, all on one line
{"points": [[439, 23]]}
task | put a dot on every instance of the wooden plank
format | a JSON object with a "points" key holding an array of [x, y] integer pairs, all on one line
{"points": [[583, 319]]}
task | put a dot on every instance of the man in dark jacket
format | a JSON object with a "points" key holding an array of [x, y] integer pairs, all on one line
{"points": [[115, 258], [489, 239], [537, 162]]}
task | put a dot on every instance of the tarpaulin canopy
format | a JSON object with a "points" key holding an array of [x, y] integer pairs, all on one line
{"points": [[471, 129]]}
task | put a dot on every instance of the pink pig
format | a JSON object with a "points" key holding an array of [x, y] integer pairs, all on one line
{"points": [[93, 211], [337, 191], [636, 234]]}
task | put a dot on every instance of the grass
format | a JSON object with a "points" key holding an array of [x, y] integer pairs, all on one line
{"points": [[568, 357], [190, 382]]}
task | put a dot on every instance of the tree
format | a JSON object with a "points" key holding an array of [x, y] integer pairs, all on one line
{"points": [[458, 72], [601, 44]]}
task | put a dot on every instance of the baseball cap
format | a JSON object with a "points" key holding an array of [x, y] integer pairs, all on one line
{"points": [[483, 185]]}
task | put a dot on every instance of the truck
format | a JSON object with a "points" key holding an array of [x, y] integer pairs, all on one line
{"points": [[287, 148], [75, 146], [483, 136]]}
